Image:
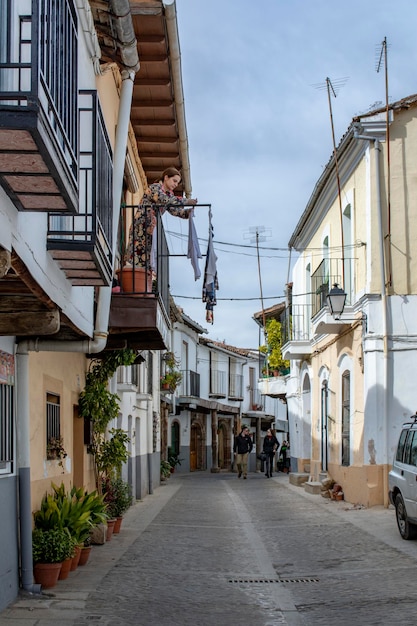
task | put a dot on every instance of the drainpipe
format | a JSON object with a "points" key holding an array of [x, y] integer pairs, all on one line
{"points": [[383, 300], [97, 344]]}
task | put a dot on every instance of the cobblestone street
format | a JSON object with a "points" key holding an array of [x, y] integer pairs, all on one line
{"points": [[210, 549]]}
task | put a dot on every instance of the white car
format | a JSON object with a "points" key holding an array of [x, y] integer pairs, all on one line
{"points": [[403, 480]]}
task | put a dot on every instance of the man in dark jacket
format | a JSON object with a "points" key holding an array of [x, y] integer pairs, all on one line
{"points": [[242, 447]]}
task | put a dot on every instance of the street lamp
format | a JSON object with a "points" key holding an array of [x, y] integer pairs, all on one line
{"points": [[336, 299]]}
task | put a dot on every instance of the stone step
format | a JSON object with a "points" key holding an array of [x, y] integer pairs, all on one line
{"points": [[298, 478], [313, 487]]}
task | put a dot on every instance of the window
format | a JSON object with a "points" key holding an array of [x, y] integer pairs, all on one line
{"points": [[346, 418], [6, 428], [400, 448], [175, 438], [53, 417]]}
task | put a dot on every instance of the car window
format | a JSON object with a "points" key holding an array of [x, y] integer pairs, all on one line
{"points": [[413, 450], [407, 447], [400, 447]]}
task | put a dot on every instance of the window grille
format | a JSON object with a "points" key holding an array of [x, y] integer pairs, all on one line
{"points": [[53, 417], [6, 428]]}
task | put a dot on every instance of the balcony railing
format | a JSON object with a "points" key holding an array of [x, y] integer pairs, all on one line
{"points": [[139, 312], [82, 243], [328, 272], [235, 386], [190, 384], [217, 384], [295, 323], [38, 104], [149, 256]]}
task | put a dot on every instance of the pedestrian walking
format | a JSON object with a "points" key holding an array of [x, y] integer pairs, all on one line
{"points": [[270, 446], [242, 447], [283, 456]]}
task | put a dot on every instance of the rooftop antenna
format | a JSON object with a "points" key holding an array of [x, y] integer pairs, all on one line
{"points": [[383, 61], [258, 234], [332, 88]]}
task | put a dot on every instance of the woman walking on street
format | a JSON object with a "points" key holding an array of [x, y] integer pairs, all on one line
{"points": [[270, 446]]}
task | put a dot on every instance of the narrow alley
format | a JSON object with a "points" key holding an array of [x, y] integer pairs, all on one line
{"points": [[210, 549]]}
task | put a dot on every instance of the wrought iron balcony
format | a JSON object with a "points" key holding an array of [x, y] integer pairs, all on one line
{"points": [[217, 384], [139, 311], [190, 384], [38, 104], [329, 271], [82, 244], [235, 386], [296, 331]]}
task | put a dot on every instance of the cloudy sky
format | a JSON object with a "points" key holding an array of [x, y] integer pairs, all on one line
{"points": [[259, 130]]}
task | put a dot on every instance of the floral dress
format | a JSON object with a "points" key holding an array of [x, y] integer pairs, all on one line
{"points": [[140, 234]]}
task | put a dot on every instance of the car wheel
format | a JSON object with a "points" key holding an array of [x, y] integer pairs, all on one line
{"points": [[407, 530]]}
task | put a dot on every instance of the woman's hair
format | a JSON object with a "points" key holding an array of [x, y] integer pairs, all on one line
{"points": [[170, 172]]}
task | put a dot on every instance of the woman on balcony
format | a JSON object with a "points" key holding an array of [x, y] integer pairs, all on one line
{"points": [[158, 197]]}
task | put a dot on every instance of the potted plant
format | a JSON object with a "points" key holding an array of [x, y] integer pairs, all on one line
{"points": [[118, 498], [49, 549], [76, 511], [171, 380], [171, 377], [174, 460], [272, 348], [165, 470], [99, 405], [55, 450]]}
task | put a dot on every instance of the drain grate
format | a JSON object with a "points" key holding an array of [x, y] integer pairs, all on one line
{"points": [[267, 581]]}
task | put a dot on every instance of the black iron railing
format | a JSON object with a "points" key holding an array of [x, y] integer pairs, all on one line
{"points": [[40, 72], [92, 226], [326, 275], [190, 384], [144, 253]]}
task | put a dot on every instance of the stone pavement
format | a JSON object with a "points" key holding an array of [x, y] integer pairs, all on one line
{"points": [[211, 550]]}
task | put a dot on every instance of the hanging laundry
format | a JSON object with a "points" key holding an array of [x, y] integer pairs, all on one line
{"points": [[210, 284], [193, 246]]}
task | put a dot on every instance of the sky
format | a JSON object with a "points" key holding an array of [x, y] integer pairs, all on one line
{"points": [[259, 132]]}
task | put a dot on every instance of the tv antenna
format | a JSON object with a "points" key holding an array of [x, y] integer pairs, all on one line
{"points": [[383, 61], [257, 235], [333, 88]]}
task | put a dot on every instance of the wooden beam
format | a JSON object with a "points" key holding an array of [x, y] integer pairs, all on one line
{"points": [[152, 82], [30, 323], [137, 123], [5, 262]]}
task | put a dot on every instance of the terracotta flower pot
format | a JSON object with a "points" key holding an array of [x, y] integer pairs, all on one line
{"points": [[110, 528], [76, 558], [135, 280], [65, 569], [117, 526], [84, 555], [46, 574]]}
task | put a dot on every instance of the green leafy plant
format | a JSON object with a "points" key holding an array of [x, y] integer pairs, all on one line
{"points": [[55, 450], [76, 512], [117, 496], [165, 469], [273, 347], [174, 459], [52, 546], [101, 406], [171, 376]]}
